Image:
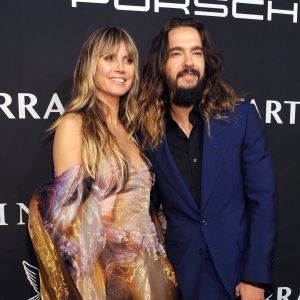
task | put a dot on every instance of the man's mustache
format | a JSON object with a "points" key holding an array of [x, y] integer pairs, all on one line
{"points": [[188, 71]]}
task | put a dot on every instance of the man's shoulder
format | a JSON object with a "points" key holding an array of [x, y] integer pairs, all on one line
{"points": [[235, 121], [242, 107], [240, 113], [236, 116]]}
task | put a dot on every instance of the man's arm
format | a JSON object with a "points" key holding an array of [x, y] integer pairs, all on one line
{"points": [[259, 185]]}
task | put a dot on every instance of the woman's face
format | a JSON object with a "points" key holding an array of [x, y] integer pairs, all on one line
{"points": [[114, 74]]}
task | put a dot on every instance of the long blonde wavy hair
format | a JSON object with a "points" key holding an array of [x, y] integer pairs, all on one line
{"points": [[98, 144]]}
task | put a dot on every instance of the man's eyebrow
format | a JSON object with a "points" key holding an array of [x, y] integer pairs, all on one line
{"points": [[175, 49], [197, 48], [181, 48]]}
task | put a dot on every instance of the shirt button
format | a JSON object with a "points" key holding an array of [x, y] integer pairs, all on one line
{"points": [[204, 223], [195, 160]]}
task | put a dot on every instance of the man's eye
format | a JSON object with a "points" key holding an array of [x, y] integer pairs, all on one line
{"points": [[173, 54], [198, 53]]}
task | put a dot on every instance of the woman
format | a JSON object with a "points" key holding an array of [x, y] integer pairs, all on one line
{"points": [[90, 227]]}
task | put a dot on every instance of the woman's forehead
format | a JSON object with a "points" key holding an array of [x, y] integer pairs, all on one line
{"points": [[114, 48]]}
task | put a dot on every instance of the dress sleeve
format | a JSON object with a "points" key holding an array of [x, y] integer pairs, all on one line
{"points": [[70, 210]]}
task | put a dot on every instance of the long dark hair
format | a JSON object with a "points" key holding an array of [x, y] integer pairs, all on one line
{"points": [[218, 95]]}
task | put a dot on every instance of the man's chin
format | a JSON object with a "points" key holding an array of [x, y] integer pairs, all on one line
{"points": [[187, 86]]}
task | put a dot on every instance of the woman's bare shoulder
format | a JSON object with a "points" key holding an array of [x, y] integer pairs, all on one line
{"points": [[70, 121], [67, 142]]}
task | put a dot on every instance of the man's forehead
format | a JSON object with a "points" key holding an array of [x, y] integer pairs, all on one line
{"points": [[183, 36]]}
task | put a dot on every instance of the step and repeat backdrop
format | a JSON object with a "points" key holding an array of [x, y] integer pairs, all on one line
{"points": [[39, 44]]}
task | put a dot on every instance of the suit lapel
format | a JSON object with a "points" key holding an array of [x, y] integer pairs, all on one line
{"points": [[168, 167], [212, 158]]}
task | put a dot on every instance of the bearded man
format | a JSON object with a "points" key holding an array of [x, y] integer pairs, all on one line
{"points": [[213, 170]]}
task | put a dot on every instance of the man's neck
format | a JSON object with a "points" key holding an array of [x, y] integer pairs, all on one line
{"points": [[181, 116]]}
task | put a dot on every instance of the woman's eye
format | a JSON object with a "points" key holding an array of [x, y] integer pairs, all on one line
{"points": [[108, 57], [129, 61]]}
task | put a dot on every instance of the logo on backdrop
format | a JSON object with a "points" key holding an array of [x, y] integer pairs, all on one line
{"points": [[239, 9], [32, 274], [22, 215], [274, 111], [26, 106], [284, 293]]}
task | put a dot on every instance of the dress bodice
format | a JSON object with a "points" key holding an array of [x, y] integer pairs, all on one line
{"points": [[128, 207]]}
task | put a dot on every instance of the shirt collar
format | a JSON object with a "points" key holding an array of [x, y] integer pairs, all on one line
{"points": [[195, 115]]}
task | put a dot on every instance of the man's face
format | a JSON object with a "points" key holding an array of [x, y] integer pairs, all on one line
{"points": [[185, 64]]}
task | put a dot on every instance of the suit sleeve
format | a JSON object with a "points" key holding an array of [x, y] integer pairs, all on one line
{"points": [[259, 185]]}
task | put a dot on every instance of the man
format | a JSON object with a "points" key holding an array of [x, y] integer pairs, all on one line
{"points": [[214, 175]]}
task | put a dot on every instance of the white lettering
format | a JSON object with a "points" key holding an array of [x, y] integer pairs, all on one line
{"points": [[254, 103], [246, 16], [4, 106], [292, 110], [29, 107], [158, 4], [54, 101], [274, 112], [293, 12], [281, 290], [209, 9], [223, 9], [119, 6], [2, 214], [24, 208], [74, 2]]}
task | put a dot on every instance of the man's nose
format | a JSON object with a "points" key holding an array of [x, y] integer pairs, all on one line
{"points": [[188, 60]]}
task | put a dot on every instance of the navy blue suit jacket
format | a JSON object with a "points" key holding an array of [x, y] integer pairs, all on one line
{"points": [[238, 202]]}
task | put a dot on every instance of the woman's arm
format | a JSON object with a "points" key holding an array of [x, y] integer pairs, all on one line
{"points": [[67, 143]]}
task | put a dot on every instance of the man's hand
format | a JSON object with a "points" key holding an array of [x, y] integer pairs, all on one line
{"points": [[249, 292]]}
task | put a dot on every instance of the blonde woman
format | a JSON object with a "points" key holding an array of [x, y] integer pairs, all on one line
{"points": [[90, 227]]}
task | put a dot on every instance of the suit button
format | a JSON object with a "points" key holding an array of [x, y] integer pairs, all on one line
{"points": [[204, 223]]}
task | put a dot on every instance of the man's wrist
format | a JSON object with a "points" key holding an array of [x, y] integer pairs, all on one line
{"points": [[267, 287]]}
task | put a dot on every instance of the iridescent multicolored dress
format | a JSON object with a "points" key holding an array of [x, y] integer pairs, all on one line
{"points": [[94, 239]]}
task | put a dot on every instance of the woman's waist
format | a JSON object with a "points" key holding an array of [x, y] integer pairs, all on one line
{"points": [[124, 234], [137, 239]]}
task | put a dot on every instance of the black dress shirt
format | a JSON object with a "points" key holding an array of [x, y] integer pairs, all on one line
{"points": [[187, 151]]}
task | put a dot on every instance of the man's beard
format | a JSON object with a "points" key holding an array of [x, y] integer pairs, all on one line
{"points": [[184, 96]]}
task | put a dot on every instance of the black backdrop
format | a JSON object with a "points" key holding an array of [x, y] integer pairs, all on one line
{"points": [[40, 41]]}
